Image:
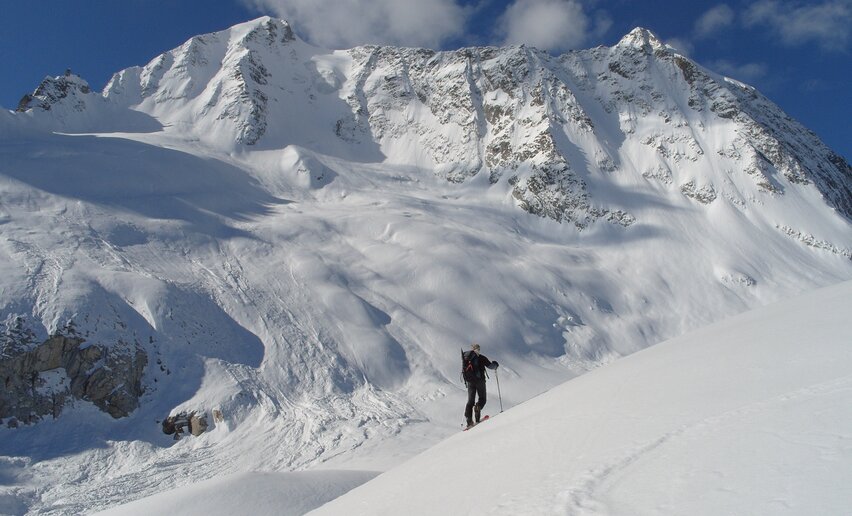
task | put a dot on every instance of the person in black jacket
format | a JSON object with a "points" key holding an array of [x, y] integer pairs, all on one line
{"points": [[473, 370]]}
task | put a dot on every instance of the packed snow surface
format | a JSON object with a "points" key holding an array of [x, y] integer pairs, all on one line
{"points": [[282, 494]]}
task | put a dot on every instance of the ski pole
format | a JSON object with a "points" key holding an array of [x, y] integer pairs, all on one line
{"points": [[499, 395]]}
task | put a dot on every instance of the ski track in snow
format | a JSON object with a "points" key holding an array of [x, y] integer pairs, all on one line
{"points": [[589, 496]]}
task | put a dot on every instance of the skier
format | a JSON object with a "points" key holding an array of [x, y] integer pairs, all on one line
{"points": [[473, 371]]}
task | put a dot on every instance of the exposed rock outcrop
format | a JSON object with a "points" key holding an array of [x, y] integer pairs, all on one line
{"points": [[53, 90], [37, 380]]}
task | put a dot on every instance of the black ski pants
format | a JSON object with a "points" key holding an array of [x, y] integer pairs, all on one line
{"points": [[474, 389]]}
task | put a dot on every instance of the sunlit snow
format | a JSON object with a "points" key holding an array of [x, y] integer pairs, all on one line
{"points": [[310, 271]]}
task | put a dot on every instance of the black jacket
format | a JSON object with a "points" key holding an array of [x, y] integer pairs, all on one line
{"points": [[478, 363]]}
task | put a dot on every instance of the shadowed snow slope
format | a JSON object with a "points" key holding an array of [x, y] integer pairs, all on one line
{"points": [[283, 494], [748, 416]]}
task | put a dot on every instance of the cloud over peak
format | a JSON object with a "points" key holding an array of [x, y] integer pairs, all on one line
{"points": [[714, 20], [554, 25], [827, 24], [348, 23]]}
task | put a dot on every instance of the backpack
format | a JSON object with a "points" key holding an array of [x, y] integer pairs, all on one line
{"points": [[470, 366]]}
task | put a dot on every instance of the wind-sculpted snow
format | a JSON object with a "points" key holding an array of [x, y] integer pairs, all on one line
{"points": [[301, 240]]}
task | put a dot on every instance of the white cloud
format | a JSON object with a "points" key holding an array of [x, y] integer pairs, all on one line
{"points": [[551, 24], [828, 23], [683, 46], [817, 85], [742, 72], [348, 23], [714, 20], [602, 24]]}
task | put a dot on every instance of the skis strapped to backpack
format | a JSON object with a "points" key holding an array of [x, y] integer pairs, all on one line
{"points": [[469, 370]]}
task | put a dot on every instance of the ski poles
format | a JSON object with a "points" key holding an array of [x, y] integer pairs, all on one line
{"points": [[499, 395]]}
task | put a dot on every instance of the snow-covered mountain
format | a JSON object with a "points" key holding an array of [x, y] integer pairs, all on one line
{"points": [[294, 242], [549, 126]]}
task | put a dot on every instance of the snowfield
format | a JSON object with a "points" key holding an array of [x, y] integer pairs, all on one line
{"points": [[282, 494], [747, 416]]}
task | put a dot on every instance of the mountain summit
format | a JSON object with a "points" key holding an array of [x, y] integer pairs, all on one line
{"points": [[282, 247]]}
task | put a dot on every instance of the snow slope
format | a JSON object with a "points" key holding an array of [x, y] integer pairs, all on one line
{"points": [[283, 494], [747, 416]]}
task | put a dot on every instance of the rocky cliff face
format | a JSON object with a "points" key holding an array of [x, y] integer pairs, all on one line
{"points": [[39, 378], [68, 90], [500, 112]]}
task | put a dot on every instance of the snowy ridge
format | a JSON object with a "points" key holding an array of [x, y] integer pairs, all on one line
{"points": [[302, 239], [549, 127]]}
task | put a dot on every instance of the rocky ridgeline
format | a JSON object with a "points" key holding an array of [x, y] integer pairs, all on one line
{"points": [[522, 112], [39, 378], [545, 125], [507, 104], [68, 89]]}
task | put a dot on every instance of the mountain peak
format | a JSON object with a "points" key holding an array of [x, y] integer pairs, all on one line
{"points": [[642, 38], [267, 27], [54, 89]]}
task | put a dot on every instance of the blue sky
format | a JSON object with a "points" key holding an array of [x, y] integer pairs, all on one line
{"points": [[795, 52]]}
